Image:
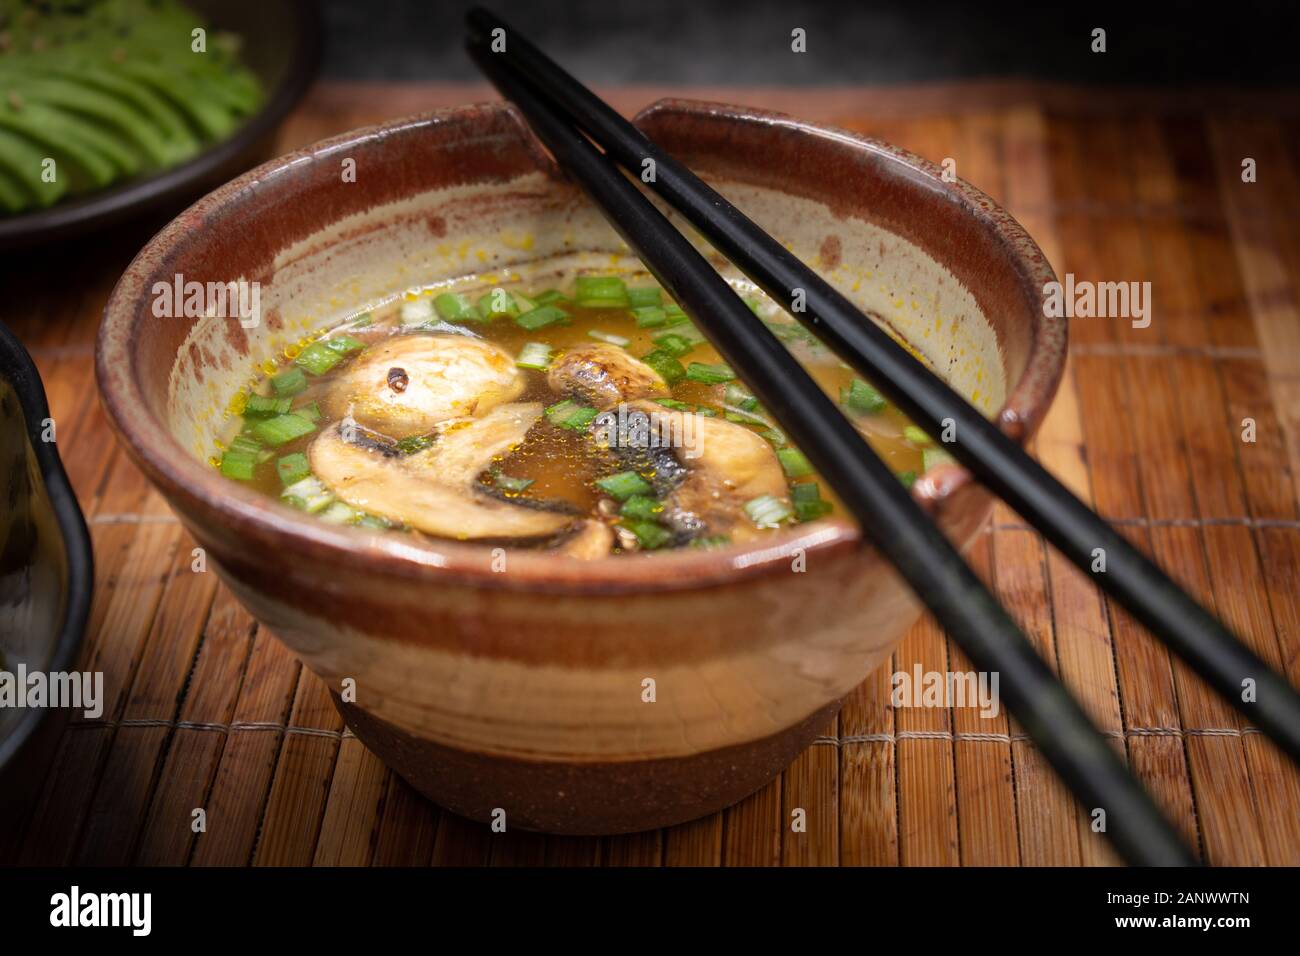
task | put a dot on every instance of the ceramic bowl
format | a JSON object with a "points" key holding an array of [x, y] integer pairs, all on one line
{"points": [[46, 564], [576, 697]]}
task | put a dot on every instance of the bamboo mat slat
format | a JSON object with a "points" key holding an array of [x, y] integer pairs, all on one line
{"points": [[217, 747]]}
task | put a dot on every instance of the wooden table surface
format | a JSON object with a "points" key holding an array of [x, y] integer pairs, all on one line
{"points": [[206, 710]]}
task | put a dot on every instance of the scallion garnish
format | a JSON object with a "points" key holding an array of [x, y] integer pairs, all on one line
{"points": [[641, 507], [601, 292], [282, 428], [609, 337], [669, 369], [858, 396], [674, 344], [934, 456], [238, 464], [767, 511], [496, 302], [541, 317], [624, 485], [549, 297], [416, 312], [569, 414], [808, 501], [506, 483], [263, 406], [640, 297], [535, 355], [455, 307], [293, 468], [915, 435], [309, 494], [794, 462], [709, 374], [318, 358], [650, 534], [289, 382], [650, 317], [737, 396], [908, 478], [344, 344]]}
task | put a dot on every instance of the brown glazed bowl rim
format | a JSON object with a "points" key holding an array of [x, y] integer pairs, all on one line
{"points": [[192, 485]]}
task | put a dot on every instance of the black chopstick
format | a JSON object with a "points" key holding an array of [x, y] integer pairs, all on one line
{"points": [[888, 515], [1229, 666]]}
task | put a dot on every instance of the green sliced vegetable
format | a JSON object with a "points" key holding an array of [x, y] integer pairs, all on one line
{"points": [[624, 485], [292, 468], [669, 369], [282, 428], [318, 358], [541, 317], [709, 374], [767, 511], [289, 382], [535, 355]]}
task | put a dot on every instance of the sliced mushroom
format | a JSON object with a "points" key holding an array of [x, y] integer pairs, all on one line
{"points": [[732, 465], [409, 384], [604, 375], [592, 540], [435, 490]]}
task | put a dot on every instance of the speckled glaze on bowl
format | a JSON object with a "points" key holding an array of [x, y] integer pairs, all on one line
{"points": [[523, 687]]}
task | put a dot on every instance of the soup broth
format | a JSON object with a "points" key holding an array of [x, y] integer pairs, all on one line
{"points": [[588, 415]]}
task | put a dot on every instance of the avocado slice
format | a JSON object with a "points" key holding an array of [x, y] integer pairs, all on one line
{"points": [[21, 161]]}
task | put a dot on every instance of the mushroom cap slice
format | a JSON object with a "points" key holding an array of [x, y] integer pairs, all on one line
{"points": [[604, 375], [408, 384], [733, 466], [434, 490]]}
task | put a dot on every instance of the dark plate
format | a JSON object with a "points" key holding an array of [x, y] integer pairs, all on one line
{"points": [[282, 42], [46, 564]]}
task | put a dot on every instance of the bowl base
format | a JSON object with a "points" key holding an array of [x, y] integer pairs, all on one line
{"points": [[583, 798]]}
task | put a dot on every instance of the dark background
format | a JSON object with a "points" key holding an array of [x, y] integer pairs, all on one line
{"points": [[747, 42]]}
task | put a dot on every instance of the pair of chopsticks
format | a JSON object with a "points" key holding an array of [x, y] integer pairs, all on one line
{"points": [[561, 110]]}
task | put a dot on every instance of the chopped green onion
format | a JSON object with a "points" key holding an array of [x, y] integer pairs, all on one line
{"points": [[674, 344], [373, 521], [344, 344], [639, 298], [413, 443], [535, 355], [908, 478], [767, 511], [506, 483], [263, 406], [293, 468], [934, 456], [310, 411], [289, 382], [238, 464], [497, 302], [339, 513], [808, 502], [774, 436], [549, 297], [915, 435], [609, 337], [601, 292], [669, 369], [794, 462], [282, 428], [709, 374], [309, 494], [318, 358], [416, 312], [641, 507], [687, 407], [244, 444], [650, 317], [650, 534], [624, 485], [858, 396], [455, 307], [737, 396], [569, 414], [713, 541], [541, 317]]}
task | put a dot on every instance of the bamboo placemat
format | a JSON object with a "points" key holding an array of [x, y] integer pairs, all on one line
{"points": [[205, 709]]}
